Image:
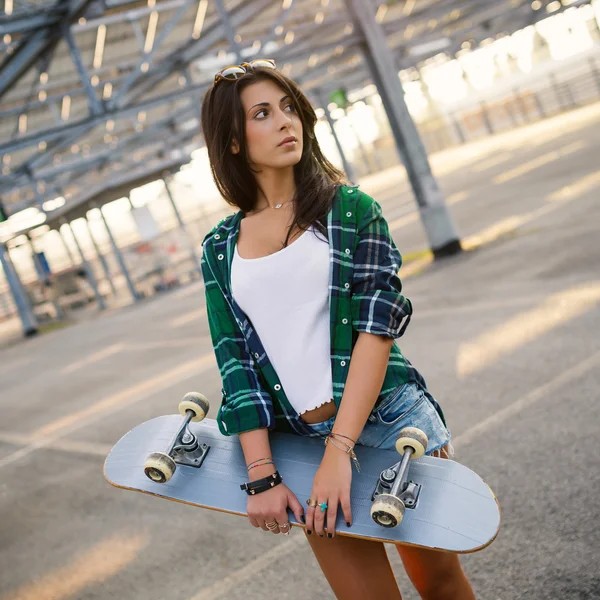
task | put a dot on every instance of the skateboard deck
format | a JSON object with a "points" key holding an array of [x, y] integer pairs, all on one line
{"points": [[455, 510]]}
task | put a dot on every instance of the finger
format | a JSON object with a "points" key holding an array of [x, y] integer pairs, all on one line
{"points": [[253, 521], [282, 519], [263, 525], [310, 520], [320, 519], [346, 508], [285, 528], [331, 516], [270, 527], [296, 508]]}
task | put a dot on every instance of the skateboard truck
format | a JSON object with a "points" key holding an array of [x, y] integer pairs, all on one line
{"points": [[184, 448], [409, 491], [394, 493]]}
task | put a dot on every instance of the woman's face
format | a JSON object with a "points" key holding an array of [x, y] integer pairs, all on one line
{"points": [[273, 129]]}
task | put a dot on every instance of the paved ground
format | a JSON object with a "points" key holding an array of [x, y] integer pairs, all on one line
{"points": [[507, 335]]}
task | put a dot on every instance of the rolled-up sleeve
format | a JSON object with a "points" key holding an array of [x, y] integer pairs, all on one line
{"points": [[378, 305], [246, 403]]}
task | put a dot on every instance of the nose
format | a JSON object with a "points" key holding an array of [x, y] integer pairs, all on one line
{"points": [[284, 120]]}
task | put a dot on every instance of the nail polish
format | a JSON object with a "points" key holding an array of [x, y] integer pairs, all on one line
{"points": [[329, 535], [347, 524], [303, 519], [308, 532]]}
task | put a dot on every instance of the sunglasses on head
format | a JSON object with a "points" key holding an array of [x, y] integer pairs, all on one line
{"points": [[236, 71]]}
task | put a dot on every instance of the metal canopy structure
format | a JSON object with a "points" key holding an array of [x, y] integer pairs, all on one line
{"points": [[98, 97]]}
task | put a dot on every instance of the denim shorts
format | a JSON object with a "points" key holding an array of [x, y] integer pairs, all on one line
{"points": [[407, 406]]}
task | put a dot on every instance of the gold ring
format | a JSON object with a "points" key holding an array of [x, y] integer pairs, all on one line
{"points": [[312, 503], [272, 526], [286, 525]]}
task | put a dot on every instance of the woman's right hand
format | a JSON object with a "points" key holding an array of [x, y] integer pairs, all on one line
{"points": [[272, 505]]}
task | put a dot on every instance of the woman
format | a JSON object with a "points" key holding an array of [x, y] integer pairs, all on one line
{"points": [[304, 306]]}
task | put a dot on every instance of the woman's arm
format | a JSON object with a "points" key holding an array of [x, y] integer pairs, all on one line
{"points": [[255, 445], [365, 377]]}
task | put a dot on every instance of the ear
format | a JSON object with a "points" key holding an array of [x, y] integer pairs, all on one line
{"points": [[235, 147]]}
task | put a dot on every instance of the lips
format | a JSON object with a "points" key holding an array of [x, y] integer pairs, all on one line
{"points": [[291, 138]]}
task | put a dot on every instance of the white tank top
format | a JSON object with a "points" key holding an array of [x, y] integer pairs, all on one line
{"points": [[286, 297]]}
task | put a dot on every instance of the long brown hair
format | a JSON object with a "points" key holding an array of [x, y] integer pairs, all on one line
{"points": [[223, 120]]}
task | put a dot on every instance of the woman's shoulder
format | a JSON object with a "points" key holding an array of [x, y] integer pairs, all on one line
{"points": [[222, 229], [351, 195]]}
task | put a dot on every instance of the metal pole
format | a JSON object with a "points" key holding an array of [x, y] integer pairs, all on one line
{"points": [[67, 249], [28, 320], [119, 257], [88, 269], [347, 168], [182, 226], [44, 278], [101, 258], [435, 216], [360, 145]]}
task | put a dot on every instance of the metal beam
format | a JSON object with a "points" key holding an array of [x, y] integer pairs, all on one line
{"points": [[29, 23], [40, 42], [190, 50], [436, 219], [146, 59], [225, 18], [28, 320], [96, 107], [323, 101]]}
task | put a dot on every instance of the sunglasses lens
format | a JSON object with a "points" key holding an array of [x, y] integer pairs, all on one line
{"points": [[267, 64], [232, 73]]}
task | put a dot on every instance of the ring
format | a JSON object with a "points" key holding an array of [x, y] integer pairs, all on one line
{"points": [[286, 525], [272, 526], [312, 503], [323, 506]]}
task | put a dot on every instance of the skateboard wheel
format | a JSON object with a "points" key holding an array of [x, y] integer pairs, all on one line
{"points": [[413, 438], [387, 510], [159, 467], [195, 402]]}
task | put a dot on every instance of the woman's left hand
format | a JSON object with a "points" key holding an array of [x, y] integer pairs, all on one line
{"points": [[331, 485]]}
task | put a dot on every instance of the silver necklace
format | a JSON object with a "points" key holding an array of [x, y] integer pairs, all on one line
{"points": [[276, 206]]}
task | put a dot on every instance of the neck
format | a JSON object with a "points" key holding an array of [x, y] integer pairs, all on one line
{"points": [[275, 186]]}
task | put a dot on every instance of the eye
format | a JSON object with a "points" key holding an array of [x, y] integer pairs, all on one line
{"points": [[289, 107], [262, 111]]}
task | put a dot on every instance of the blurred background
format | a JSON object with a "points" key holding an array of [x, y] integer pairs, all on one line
{"points": [[476, 126]]}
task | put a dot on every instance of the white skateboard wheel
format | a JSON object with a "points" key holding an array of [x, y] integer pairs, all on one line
{"points": [[195, 402], [159, 467], [387, 510], [413, 438]]}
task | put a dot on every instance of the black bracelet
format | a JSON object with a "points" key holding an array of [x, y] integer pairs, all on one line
{"points": [[262, 485]]}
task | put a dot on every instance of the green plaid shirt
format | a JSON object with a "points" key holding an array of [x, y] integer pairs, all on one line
{"points": [[364, 296]]}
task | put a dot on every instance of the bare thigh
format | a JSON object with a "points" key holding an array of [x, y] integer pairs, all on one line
{"points": [[436, 574], [355, 569]]}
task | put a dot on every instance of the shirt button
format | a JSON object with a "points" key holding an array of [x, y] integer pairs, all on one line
{"points": [[220, 257], [347, 285], [351, 191], [217, 237], [343, 363], [345, 321], [277, 387], [256, 355], [348, 214], [347, 250]]}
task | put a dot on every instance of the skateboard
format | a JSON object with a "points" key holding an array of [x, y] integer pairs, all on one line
{"points": [[417, 500]]}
